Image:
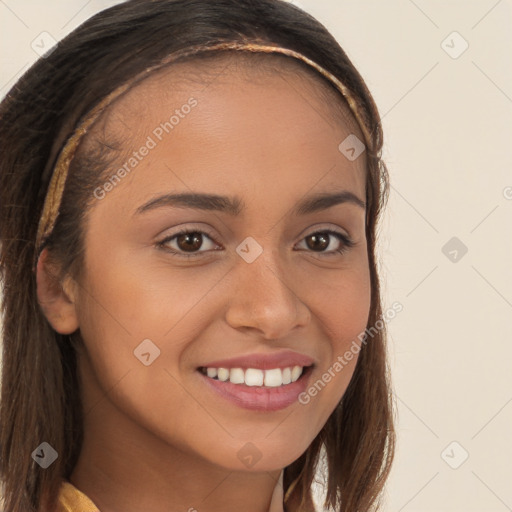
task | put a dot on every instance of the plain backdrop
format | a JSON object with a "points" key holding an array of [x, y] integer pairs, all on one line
{"points": [[440, 72]]}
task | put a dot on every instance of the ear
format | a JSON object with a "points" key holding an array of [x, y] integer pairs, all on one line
{"points": [[57, 300]]}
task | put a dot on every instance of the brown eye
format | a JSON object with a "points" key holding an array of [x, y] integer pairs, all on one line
{"points": [[318, 241], [188, 242], [323, 240]]}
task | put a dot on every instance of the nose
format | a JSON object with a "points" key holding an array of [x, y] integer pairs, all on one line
{"points": [[264, 299]]}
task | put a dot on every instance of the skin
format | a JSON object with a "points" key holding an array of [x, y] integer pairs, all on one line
{"points": [[156, 438]]}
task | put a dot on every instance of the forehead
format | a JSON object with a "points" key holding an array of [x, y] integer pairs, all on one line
{"points": [[259, 117], [231, 71]]}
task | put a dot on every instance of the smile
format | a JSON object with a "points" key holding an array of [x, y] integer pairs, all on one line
{"points": [[260, 390], [271, 378]]}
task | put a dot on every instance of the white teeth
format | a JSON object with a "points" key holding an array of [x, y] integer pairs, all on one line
{"points": [[272, 378], [236, 376], [253, 377], [223, 374], [296, 372]]}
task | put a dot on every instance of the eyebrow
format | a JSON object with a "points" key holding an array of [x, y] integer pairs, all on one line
{"points": [[235, 205]]}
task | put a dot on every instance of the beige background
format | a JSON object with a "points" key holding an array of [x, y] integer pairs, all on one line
{"points": [[448, 134]]}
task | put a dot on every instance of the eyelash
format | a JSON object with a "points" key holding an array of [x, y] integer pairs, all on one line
{"points": [[347, 242]]}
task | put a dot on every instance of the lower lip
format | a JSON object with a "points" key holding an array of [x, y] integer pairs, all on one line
{"points": [[260, 398]]}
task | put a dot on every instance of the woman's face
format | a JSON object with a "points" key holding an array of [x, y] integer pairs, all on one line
{"points": [[257, 286]]}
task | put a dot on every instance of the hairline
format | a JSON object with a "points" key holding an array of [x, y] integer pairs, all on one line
{"points": [[185, 71]]}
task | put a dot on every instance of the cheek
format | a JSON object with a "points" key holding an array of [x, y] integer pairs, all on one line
{"points": [[345, 308], [137, 323], [342, 312], [135, 332], [129, 301]]}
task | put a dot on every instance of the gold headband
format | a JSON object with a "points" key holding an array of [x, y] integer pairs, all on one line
{"points": [[56, 186]]}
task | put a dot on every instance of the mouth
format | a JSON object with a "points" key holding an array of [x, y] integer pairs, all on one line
{"points": [[256, 389], [256, 377]]}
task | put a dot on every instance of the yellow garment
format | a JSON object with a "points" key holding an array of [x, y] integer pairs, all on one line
{"points": [[73, 500]]}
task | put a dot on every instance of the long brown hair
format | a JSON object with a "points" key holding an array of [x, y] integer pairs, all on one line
{"points": [[40, 395]]}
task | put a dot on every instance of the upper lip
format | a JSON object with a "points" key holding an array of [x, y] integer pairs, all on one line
{"points": [[263, 361]]}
